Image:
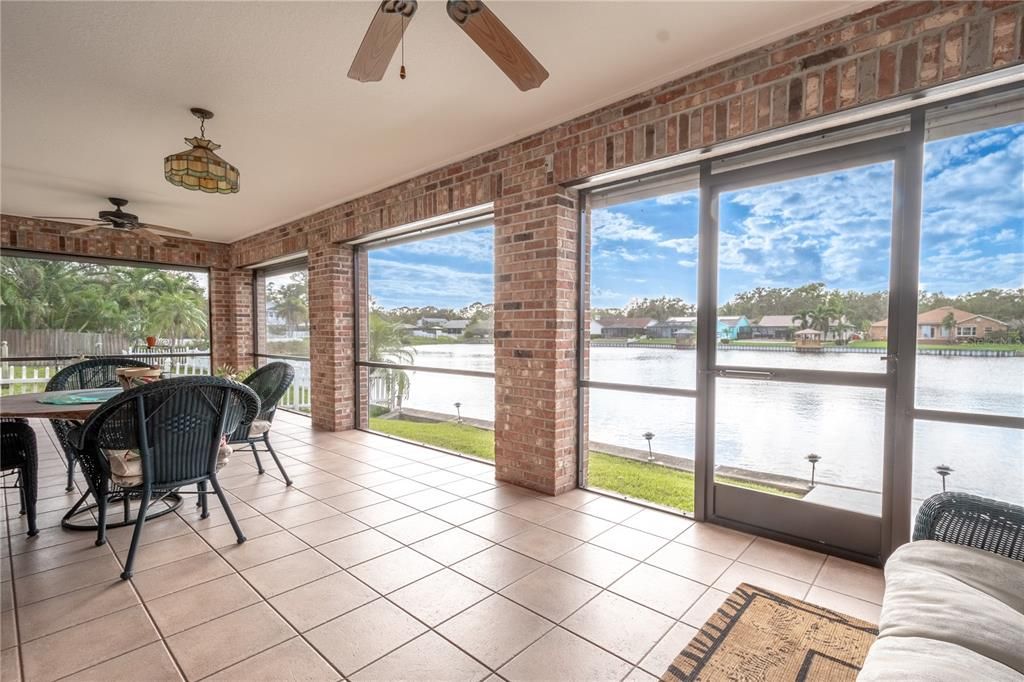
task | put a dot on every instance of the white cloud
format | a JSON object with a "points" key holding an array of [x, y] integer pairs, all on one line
{"points": [[613, 226], [684, 245], [678, 199], [474, 245], [396, 283]]}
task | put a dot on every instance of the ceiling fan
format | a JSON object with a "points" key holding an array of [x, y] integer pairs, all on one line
{"points": [[472, 16], [119, 220]]}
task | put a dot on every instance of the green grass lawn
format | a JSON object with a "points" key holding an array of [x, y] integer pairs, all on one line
{"points": [[468, 440], [640, 480]]}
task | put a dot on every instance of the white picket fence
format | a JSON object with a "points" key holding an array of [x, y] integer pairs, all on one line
{"points": [[19, 379]]}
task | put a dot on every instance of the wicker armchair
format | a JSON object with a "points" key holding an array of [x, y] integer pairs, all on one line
{"points": [[95, 373], [176, 426], [18, 453], [270, 383], [973, 521]]}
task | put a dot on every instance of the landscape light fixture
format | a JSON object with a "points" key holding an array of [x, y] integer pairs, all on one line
{"points": [[813, 459], [943, 470], [650, 453]]}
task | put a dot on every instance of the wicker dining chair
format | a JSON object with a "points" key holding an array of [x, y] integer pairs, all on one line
{"points": [[964, 519], [95, 373], [18, 453], [175, 427], [270, 383]]}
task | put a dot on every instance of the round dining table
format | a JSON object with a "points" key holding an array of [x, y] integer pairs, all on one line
{"points": [[30, 406]]}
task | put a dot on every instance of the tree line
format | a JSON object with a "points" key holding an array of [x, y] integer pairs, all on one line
{"points": [[87, 297], [817, 306]]}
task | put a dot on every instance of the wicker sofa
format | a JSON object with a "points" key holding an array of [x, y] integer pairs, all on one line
{"points": [[954, 598]]}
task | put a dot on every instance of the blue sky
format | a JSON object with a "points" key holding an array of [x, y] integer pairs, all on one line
{"points": [[833, 228], [452, 271]]}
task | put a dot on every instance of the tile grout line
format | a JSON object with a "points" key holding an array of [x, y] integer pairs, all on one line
{"points": [[530, 525]]}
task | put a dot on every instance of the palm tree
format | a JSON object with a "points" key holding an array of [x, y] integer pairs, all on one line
{"points": [[387, 344], [178, 307], [823, 319], [949, 324], [805, 318]]}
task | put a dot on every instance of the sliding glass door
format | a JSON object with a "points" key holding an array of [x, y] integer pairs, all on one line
{"points": [[798, 414]]}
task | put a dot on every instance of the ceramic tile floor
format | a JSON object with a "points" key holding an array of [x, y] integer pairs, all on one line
{"points": [[384, 561]]}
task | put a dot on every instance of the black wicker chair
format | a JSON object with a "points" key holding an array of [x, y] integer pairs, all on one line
{"points": [[18, 453], [176, 426], [974, 521], [95, 373], [270, 383]]}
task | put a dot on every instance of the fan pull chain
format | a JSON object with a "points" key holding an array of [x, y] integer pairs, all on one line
{"points": [[401, 71]]}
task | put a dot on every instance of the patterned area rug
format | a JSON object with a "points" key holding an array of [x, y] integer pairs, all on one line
{"points": [[761, 635]]}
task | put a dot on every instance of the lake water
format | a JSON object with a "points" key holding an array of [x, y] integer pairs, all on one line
{"points": [[771, 426]]}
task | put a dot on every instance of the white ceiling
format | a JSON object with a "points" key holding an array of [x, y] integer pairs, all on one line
{"points": [[95, 94]]}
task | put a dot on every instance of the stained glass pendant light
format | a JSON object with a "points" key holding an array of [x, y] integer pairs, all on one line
{"points": [[200, 167]]}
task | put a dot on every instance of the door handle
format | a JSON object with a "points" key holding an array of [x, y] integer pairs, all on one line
{"points": [[744, 374]]}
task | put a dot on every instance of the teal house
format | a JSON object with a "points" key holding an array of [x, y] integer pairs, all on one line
{"points": [[734, 327]]}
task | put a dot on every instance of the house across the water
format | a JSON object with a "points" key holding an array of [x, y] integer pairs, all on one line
{"points": [[937, 325]]}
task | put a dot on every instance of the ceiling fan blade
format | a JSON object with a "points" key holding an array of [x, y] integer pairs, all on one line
{"points": [[498, 43], [65, 219], [87, 228], [147, 233], [169, 230], [381, 40]]}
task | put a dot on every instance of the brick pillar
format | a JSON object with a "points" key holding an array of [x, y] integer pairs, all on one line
{"points": [[231, 317], [535, 337], [331, 329]]}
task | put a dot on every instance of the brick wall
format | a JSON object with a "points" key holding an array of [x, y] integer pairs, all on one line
{"points": [[230, 339], [892, 48]]}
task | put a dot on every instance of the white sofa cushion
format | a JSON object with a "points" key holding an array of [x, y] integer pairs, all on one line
{"points": [[966, 601], [914, 659]]}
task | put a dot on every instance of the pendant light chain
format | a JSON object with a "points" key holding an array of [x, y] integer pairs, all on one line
{"points": [[401, 71]]}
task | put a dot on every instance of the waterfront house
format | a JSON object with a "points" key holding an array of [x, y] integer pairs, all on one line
{"points": [[624, 327], [431, 322], [935, 325], [455, 327], [733, 327], [671, 327], [775, 327]]}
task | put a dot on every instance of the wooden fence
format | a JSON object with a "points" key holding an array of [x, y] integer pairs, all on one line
{"points": [[22, 343]]}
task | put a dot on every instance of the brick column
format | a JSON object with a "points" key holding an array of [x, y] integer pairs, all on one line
{"points": [[331, 330], [535, 335], [231, 317]]}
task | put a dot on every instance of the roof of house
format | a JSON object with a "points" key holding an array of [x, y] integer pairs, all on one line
{"points": [[675, 322], [777, 321], [626, 322], [937, 315], [731, 319], [456, 324]]}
